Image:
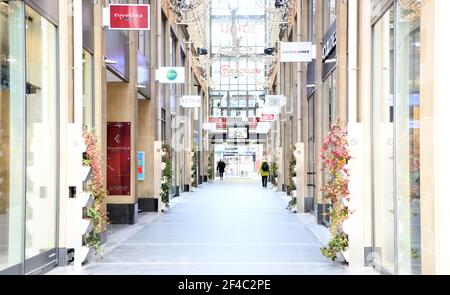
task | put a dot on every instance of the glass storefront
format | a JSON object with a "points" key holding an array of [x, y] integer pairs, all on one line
{"points": [[12, 134], [28, 122], [41, 136], [396, 140]]}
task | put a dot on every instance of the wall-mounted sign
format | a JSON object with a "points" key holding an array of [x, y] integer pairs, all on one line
{"points": [[275, 101], [168, 75], [238, 132], [119, 159], [329, 45], [191, 101], [141, 166], [127, 17], [268, 117], [296, 52]]}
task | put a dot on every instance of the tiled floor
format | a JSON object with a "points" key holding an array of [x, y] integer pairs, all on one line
{"points": [[231, 227]]}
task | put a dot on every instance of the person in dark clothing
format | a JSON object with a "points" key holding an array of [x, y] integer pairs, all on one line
{"points": [[221, 168]]}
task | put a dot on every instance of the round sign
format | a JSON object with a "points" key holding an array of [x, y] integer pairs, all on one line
{"points": [[172, 75]]}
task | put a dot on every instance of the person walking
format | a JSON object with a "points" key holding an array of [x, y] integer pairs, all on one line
{"points": [[221, 168], [264, 171]]}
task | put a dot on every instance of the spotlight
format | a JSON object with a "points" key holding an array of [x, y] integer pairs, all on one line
{"points": [[279, 3], [202, 51], [269, 51]]}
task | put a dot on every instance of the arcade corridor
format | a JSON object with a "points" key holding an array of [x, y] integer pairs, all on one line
{"points": [[232, 227]]}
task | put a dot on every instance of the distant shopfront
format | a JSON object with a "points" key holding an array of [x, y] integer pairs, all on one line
{"points": [[28, 136]]}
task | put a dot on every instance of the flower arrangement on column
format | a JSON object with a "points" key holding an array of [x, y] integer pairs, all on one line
{"points": [[292, 174], [274, 170], [97, 212], [166, 175], [194, 168], [211, 166], [335, 157]]}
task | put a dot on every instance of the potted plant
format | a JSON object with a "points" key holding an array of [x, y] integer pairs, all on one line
{"points": [[194, 170], [274, 172], [211, 167], [291, 191], [335, 156], [92, 158], [166, 175]]}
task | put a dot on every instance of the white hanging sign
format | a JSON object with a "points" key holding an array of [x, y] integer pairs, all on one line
{"points": [[296, 52], [191, 101], [167, 75], [275, 101]]}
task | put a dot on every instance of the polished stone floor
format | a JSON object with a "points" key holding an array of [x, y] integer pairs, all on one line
{"points": [[231, 227]]}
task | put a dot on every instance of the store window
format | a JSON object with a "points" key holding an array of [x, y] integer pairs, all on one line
{"points": [[329, 14], [396, 139], [312, 20], [88, 90], [41, 137], [408, 136], [12, 133], [383, 142]]}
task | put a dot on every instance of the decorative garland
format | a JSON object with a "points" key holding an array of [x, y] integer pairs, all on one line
{"points": [[96, 213], [335, 156], [166, 177]]}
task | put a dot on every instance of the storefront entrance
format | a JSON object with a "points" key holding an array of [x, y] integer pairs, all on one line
{"points": [[29, 146]]}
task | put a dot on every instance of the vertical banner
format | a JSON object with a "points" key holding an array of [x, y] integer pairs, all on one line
{"points": [[119, 159], [141, 166]]}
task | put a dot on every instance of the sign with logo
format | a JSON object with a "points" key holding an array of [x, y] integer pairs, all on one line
{"points": [[118, 166], [141, 166], [267, 117], [296, 52], [191, 101], [275, 101], [329, 45], [170, 75], [128, 17], [238, 132]]}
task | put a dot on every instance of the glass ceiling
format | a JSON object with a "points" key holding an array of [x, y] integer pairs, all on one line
{"points": [[238, 35]]}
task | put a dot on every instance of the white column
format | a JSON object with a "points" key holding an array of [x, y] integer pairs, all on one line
{"points": [[354, 227], [442, 140]]}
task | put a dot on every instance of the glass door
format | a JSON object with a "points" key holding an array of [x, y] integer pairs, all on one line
{"points": [[311, 185], [383, 138], [41, 146]]}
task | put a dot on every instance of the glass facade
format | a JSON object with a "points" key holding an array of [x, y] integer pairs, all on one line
{"points": [[396, 138], [329, 14], [29, 103], [12, 137]]}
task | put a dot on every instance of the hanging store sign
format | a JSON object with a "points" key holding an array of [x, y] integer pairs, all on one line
{"points": [[191, 101], [167, 75], [275, 101], [119, 159], [127, 17], [268, 117], [296, 52], [238, 132], [141, 166], [209, 126]]}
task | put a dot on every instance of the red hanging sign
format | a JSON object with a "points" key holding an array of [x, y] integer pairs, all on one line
{"points": [[119, 159], [129, 17]]}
